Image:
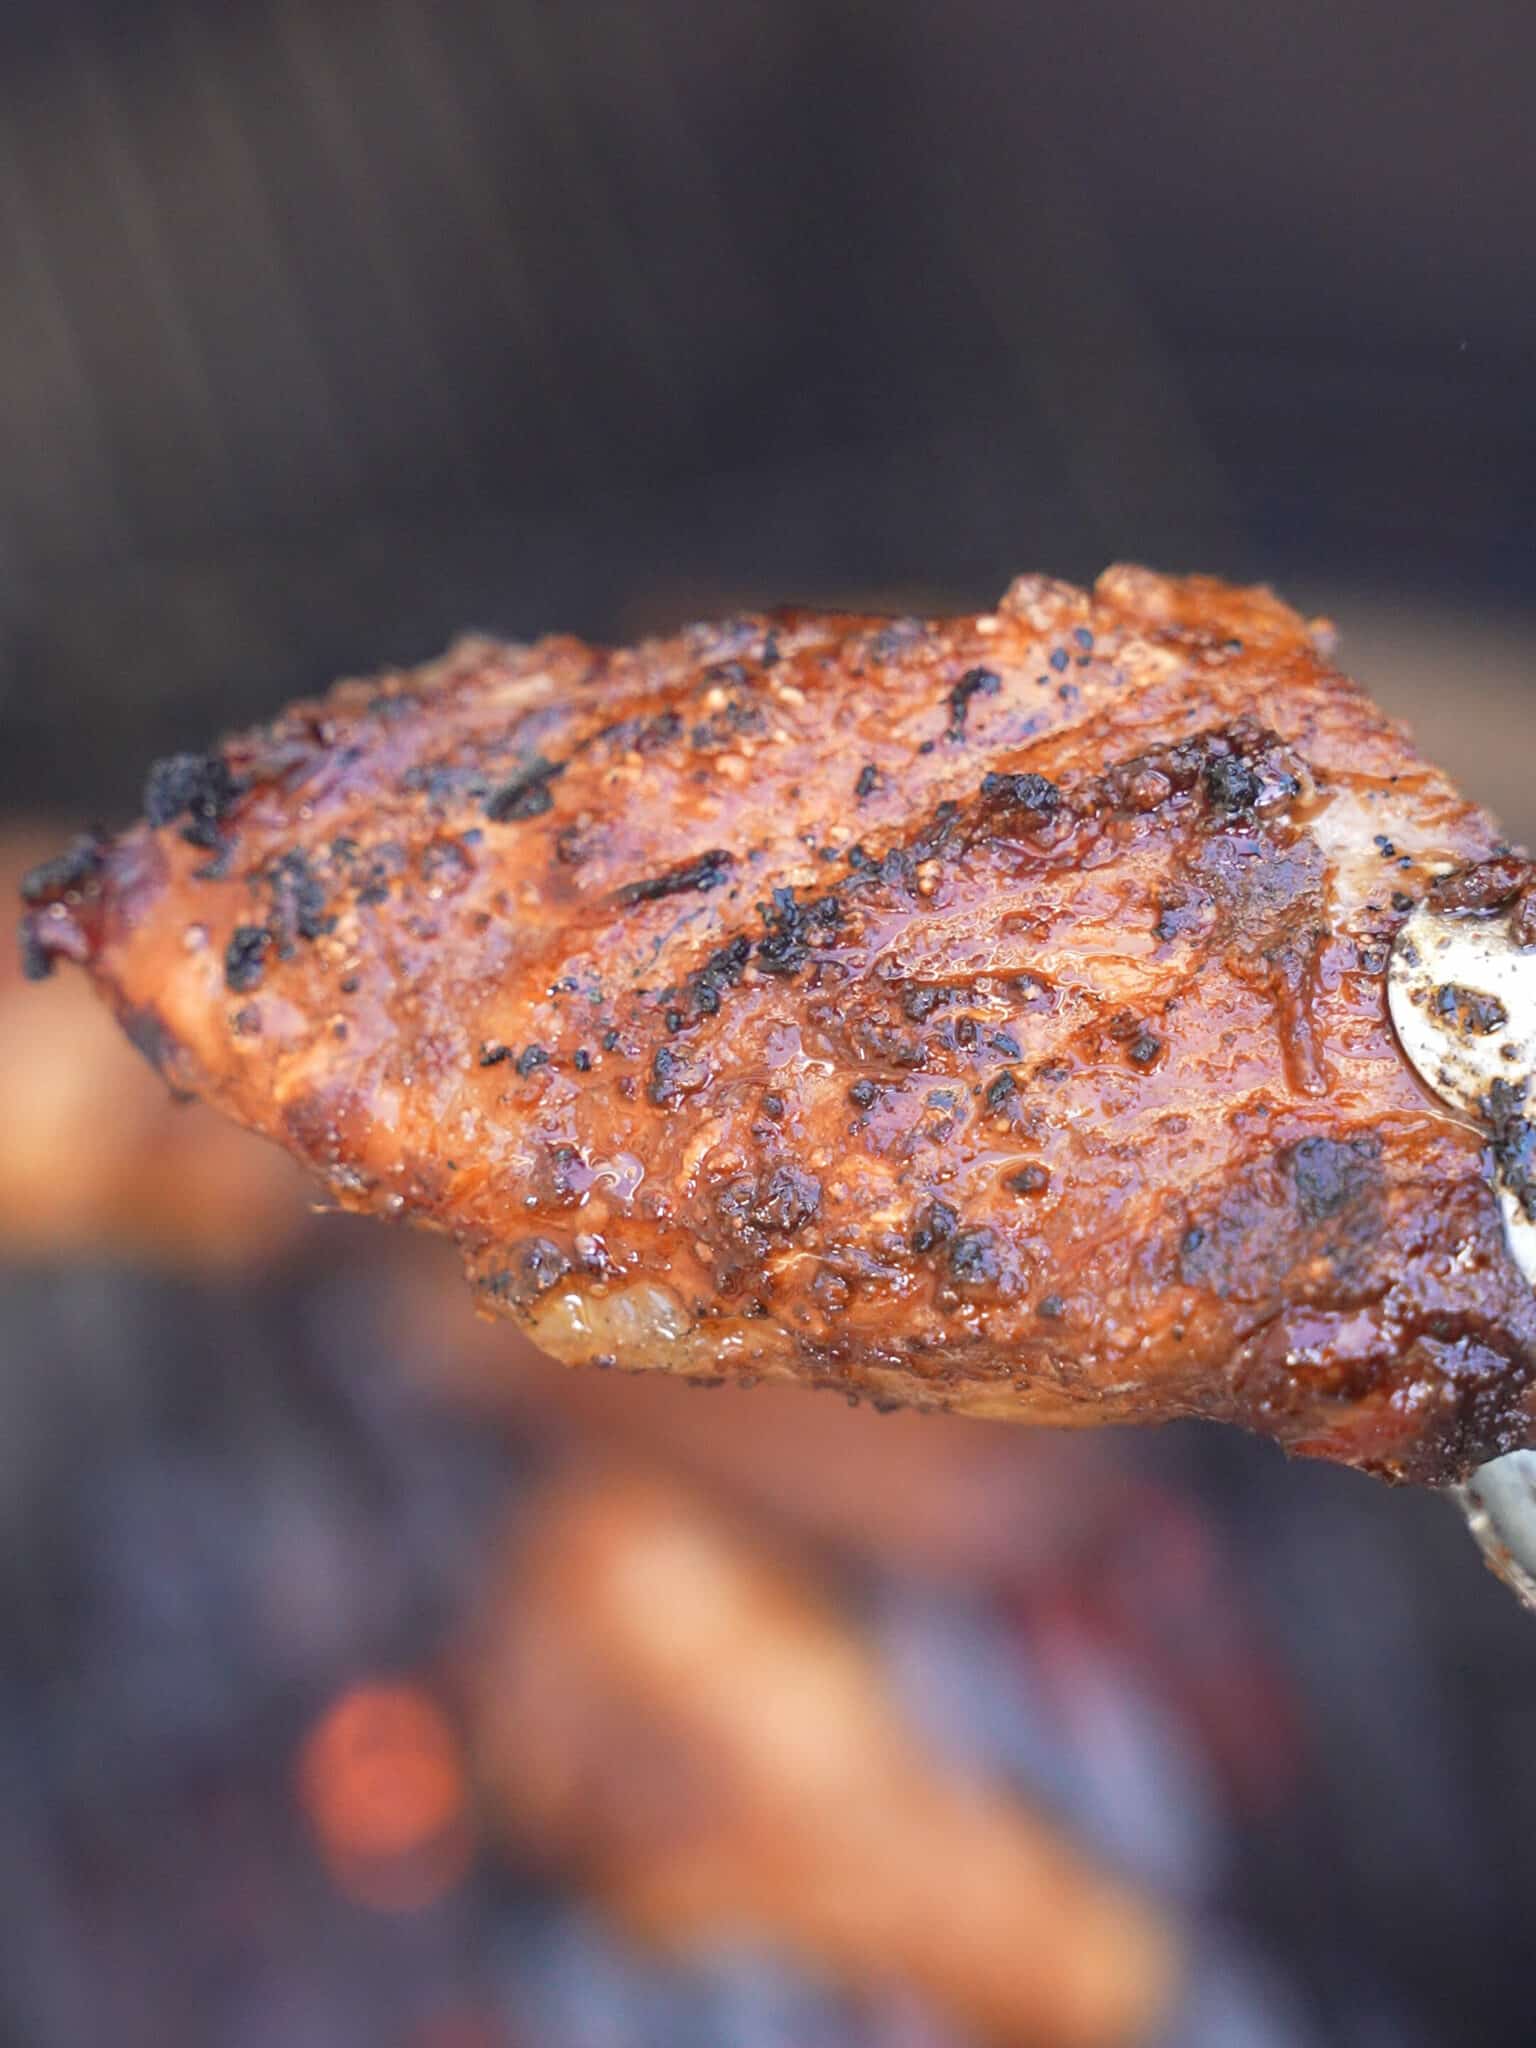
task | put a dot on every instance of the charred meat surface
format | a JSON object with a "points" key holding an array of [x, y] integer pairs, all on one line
{"points": [[799, 972]]}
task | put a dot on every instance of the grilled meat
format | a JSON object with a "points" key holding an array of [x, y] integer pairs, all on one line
{"points": [[683, 1727], [983, 1013]]}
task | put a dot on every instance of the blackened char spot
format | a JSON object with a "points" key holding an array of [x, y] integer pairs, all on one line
{"points": [[1031, 792], [196, 784], [673, 1075], [934, 1224], [707, 872], [976, 682], [525, 794], [1029, 1180], [919, 999], [974, 1260], [538, 1265], [245, 958], [1330, 1173], [74, 869], [298, 901], [722, 970], [1468, 1007], [1231, 784], [791, 926], [722, 728], [1242, 766], [777, 1204], [1001, 1090]]}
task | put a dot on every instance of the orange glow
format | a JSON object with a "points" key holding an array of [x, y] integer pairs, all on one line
{"points": [[382, 1781]]}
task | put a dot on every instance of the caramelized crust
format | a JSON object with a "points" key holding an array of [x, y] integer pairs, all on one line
{"points": [[983, 1013]]}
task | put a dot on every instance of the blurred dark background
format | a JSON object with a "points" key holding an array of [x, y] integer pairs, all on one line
{"points": [[329, 328]]}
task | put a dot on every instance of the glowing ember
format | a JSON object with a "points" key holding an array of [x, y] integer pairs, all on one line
{"points": [[382, 1782]]}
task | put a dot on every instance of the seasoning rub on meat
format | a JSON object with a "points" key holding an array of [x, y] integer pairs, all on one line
{"points": [[984, 1013]]}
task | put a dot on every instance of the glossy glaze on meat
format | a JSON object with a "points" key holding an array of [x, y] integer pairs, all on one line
{"points": [[984, 1013]]}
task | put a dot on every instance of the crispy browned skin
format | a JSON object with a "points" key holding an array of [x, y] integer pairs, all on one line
{"points": [[984, 1013], [682, 1726]]}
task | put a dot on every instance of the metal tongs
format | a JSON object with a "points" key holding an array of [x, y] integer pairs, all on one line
{"points": [[1462, 996]]}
